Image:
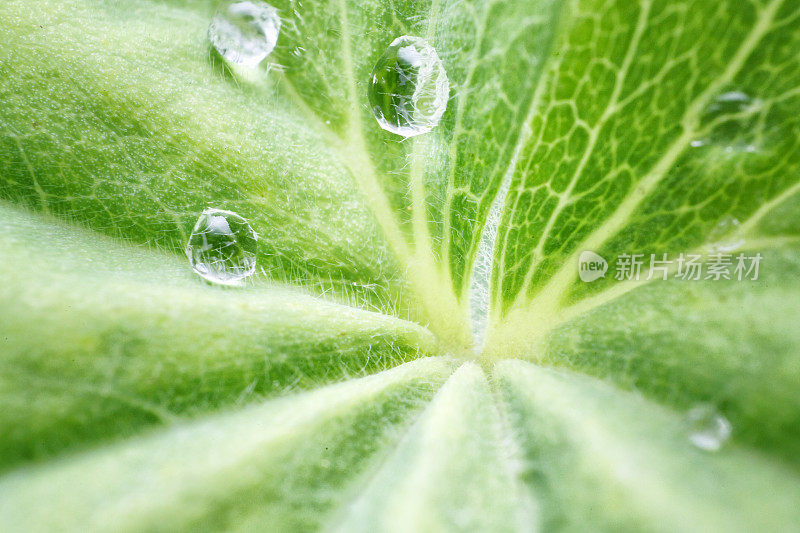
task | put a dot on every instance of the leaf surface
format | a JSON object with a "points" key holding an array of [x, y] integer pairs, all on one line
{"points": [[390, 365]]}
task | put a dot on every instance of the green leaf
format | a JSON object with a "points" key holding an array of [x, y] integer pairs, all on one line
{"points": [[363, 379], [610, 460], [453, 468], [287, 451], [632, 148], [104, 339], [729, 343]]}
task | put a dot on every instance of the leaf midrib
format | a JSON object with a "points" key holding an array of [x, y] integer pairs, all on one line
{"points": [[431, 284]]}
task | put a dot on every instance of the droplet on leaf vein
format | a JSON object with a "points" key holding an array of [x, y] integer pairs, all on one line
{"points": [[245, 32], [409, 88], [222, 247], [708, 429]]}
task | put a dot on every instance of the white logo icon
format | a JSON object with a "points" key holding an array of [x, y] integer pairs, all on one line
{"points": [[591, 266]]}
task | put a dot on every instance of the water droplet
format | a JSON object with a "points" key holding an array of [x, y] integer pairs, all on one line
{"points": [[245, 32], [708, 429], [408, 89], [732, 123], [725, 237], [222, 247]]}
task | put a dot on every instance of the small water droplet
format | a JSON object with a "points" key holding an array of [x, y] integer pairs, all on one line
{"points": [[408, 89], [725, 237], [245, 32], [708, 429], [732, 121], [222, 247]]}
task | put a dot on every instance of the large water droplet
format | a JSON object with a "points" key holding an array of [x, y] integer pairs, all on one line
{"points": [[708, 429], [408, 90], [222, 247], [731, 119], [245, 32], [726, 236]]}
